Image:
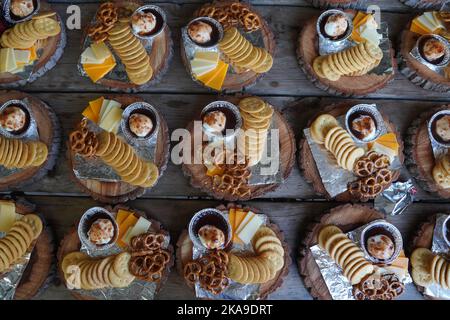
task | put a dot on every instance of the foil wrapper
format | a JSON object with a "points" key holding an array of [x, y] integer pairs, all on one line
{"points": [[95, 168], [439, 68], [31, 134], [334, 178], [439, 246], [395, 199], [11, 279], [385, 66], [235, 291], [338, 285], [137, 290]]}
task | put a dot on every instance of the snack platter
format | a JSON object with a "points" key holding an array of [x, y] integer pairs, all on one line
{"points": [[115, 254], [424, 55], [427, 156], [345, 4], [254, 145], [119, 149], [29, 132], [353, 254], [342, 166], [431, 245], [246, 254], [127, 47], [346, 53], [26, 250], [228, 46], [32, 42]]}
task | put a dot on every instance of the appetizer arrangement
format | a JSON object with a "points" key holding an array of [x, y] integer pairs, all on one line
{"points": [[28, 139], [118, 144], [346, 53], [356, 154], [335, 3], [32, 40], [18, 235], [128, 46], [232, 254], [117, 254], [227, 46], [363, 263], [425, 51], [429, 260], [428, 151], [254, 136]]}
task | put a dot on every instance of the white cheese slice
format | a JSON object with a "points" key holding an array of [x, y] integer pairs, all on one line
{"points": [[7, 60], [7, 215], [426, 23], [199, 64], [201, 71], [22, 56], [247, 233], [111, 120], [103, 108], [212, 57], [437, 20], [371, 35], [245, 221], [111, 104], [379, 148], [89, 57], [100, 51], [141, 226]]}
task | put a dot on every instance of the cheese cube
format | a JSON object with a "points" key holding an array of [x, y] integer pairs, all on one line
{"points": [[141, 226]]}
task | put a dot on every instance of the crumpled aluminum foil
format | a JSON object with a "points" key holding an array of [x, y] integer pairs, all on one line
{"points": [[95, 168], [32, 134], [439, 246], [338, 285], [395, 199], [137, 290], [385, 66], [11, 279], [334, 178], [235, 291]]}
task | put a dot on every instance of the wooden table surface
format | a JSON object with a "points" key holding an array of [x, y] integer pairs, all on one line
{"points": [[179, 99]]}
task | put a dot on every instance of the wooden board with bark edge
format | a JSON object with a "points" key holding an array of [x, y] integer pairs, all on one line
{"points": [[424, 4], [308, 50], [160, 56], [71, 243], [423, 238], [184, 253], [347, 217], [38, 274], [197, 172], [117, 192], [235, 82], [49, 133], [344, 4], [308, 165], [52, 50], [419, 154]]}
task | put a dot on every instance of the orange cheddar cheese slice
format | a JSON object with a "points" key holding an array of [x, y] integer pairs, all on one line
{"points": [[96, 105], [231, 219], [358, 19], [98, 71], [122, 215], [128, 223], [214, 171], [88, 113], [416, 27], [33, 53], [217, 81]]}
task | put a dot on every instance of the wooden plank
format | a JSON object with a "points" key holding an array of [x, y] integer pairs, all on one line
{"points": [[179, 110], [285, 78], [292, 218]]}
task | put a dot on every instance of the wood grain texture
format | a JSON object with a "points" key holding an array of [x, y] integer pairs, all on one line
{"points": [[71, 243], [424, 4], [308, 165], [420, 158], [118, 192], [49, 133]]}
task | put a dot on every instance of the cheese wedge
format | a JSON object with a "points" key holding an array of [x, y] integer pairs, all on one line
{"points": [[248, 217], [212, 57], [100, 51], [111, 120], [217, 79], [129, 222], [7, 215], [248, 231], [141, 226], [122, 215], [88, 113], [88, 57], [99, 71], [103, 107], [240, 215], [96, 106], [232, 219], [107, 105]]}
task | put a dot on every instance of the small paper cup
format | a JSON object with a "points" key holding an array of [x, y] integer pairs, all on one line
{"points": [[217, 33], [23, 132], [212, 217]]}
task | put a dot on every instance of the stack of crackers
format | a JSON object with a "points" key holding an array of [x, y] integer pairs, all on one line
{"points": [[428, 268], [441, 171], [15, 153]]}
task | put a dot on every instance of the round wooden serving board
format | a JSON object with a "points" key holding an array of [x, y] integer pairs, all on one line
{"points": [[308, 165], [52, 50], [347, 217], [235, 82], [71, 243], [160, 56], [308, 50], [424, 4], [415, 71], [197, 172], [327, 4], [49, 133], [39, 272], [419, 154], [117, 192], [185, 246]]}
